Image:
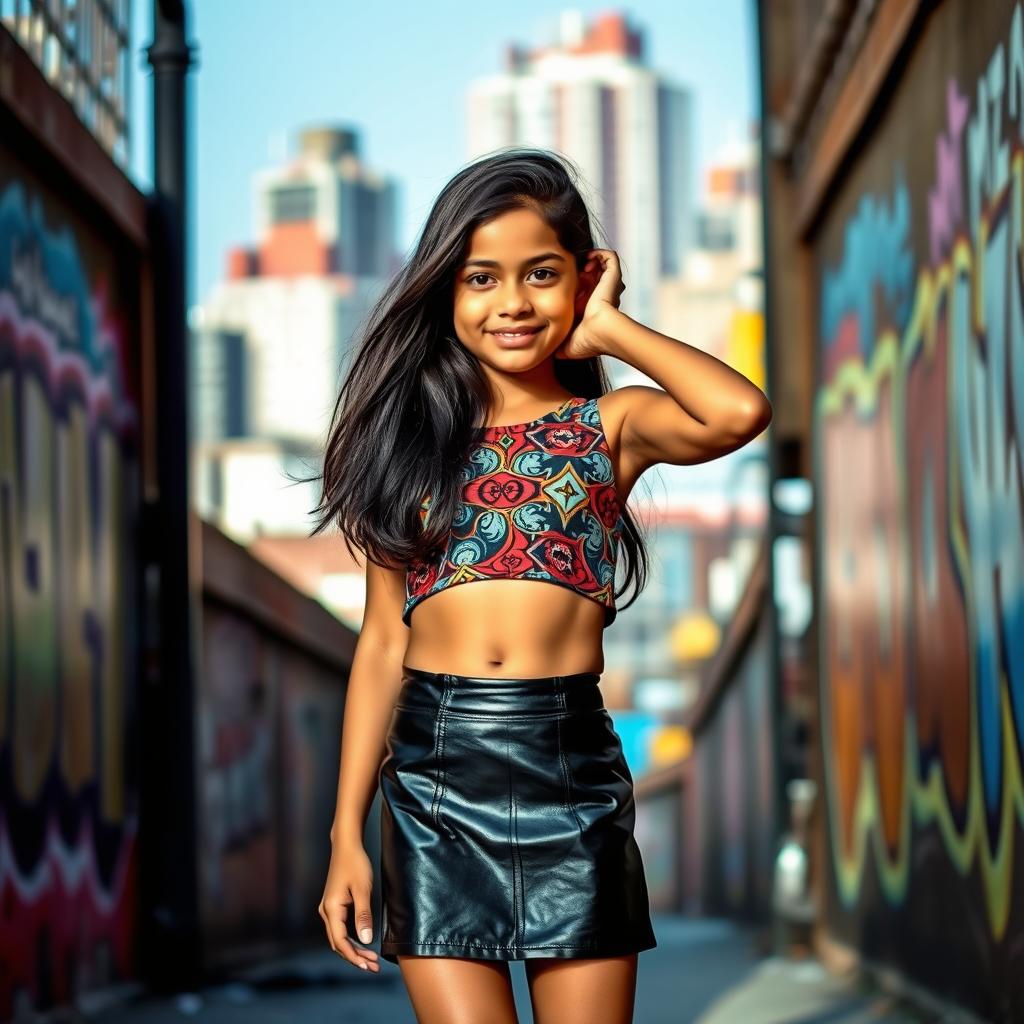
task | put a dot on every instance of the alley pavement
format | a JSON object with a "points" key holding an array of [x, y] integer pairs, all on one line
{"points": [[702, 971]]}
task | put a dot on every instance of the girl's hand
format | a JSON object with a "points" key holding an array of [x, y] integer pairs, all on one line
{"points": [[584, 341], [349, 881]]}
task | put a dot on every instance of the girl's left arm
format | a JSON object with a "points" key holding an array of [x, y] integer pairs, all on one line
{"points": [[706, 410]]}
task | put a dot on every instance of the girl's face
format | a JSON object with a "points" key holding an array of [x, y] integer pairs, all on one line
{"points": [[516, 275]]}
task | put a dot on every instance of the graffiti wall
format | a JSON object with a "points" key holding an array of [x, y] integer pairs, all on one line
{"points": [[919, 427], [69, 503], [270, 720]]}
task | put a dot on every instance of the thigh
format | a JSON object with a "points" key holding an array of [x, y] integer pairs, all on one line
{"points": [[456, 990], [576, 991]]}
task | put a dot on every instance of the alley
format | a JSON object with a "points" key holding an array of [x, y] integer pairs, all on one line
{"points": [[759, 419], [703, 971]]}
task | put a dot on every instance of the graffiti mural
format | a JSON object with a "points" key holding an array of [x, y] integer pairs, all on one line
{"points": [[69, 500], [270, 721], [919, 457]]}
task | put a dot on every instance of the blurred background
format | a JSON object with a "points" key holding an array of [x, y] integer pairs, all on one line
{"points": [[821, 691]]}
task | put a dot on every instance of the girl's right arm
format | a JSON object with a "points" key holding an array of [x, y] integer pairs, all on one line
{"points": [[373, 687]]}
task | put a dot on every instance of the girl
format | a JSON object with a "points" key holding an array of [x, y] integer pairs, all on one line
{"points": [[475, 441]]}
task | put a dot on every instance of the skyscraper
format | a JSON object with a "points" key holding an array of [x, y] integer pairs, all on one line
{"points": [[325, 243], [270, 342], [591, 96]]}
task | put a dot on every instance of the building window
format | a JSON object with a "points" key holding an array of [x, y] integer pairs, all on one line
{"points": [[292, 203]]}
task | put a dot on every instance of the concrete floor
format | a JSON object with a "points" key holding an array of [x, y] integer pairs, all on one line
{"points": [[702, 971]]}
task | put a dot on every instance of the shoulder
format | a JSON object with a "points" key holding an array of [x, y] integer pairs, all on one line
{"points": [[614, 406]]}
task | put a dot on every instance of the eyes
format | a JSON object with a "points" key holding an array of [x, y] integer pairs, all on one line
{"points": [[539, 270]]}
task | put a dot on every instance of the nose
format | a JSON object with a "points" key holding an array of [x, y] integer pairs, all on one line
{"points": [[513, 299]]}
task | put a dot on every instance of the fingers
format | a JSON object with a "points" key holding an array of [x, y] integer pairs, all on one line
{"points": [[364, 925], [334, 914], [364, 919], [609, 264]]}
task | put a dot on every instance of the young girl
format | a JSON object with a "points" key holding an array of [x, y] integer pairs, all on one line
{"points": [[475, 441]]}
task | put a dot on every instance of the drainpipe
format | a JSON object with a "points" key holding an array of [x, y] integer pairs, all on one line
{"points": [[170, 955]]}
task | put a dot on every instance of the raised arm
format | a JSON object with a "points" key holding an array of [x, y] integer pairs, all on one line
{"points": [[706, 410]]}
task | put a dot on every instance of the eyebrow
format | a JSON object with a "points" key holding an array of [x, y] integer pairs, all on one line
{"points": [[533, 259]]}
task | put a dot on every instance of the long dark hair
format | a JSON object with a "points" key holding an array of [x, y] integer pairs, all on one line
{"points": [[407, 412]]}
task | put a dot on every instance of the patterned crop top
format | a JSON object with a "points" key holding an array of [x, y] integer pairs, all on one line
{"points": [[538, 503]]}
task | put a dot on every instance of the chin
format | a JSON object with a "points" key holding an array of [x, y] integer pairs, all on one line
{"points": [[519, 359]]}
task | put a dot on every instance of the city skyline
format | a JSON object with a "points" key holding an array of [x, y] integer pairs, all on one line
{"points": [[263, 131]]}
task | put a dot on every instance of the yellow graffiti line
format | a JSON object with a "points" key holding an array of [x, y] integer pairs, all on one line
{"points": [[854, 379], [893, 873], [931, 803], [863, 384], [995, 867], [928, 797]]}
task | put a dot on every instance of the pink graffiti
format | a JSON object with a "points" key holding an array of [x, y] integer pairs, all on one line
{"points": [[945, 199]]}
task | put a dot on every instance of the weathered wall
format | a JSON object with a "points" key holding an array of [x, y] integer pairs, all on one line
{"points": [[918, 431], [70, 498]]}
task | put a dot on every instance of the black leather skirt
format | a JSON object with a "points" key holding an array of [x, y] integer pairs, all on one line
{"points": [[507, 818]]}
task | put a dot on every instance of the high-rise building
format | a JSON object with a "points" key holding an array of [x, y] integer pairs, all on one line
{"points": [[271, 340], [218, 385], [591, 96], [325, 244], [325, 212]]}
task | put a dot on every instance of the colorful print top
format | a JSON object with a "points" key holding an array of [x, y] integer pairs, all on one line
{"points": [[538, 503]]}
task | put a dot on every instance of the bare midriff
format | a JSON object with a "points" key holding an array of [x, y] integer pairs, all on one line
{"points": [[513, 628]]}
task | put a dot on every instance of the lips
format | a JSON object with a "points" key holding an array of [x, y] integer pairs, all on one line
{"points": [[518, 340], [518, 332]]}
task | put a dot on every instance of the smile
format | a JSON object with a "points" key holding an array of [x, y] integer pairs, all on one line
{"points": [[520, 333]]}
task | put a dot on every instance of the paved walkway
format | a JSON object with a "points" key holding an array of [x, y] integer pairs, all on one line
{"points": [[702, 971]]}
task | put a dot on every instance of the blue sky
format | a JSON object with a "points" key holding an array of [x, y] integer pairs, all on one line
{"points": [[398, 74]]}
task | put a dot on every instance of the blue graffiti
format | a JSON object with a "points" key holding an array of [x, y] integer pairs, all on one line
{"points": [[44, 273], [990, 491], [876, 255]]}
